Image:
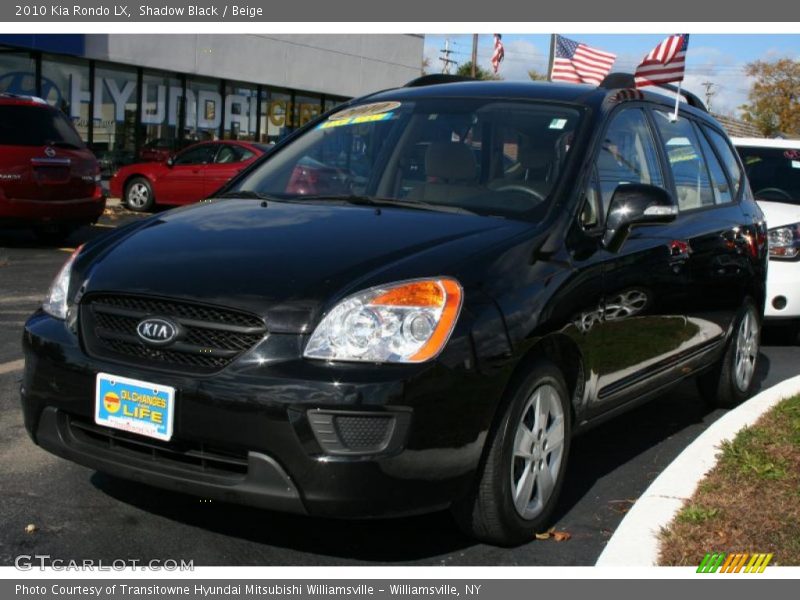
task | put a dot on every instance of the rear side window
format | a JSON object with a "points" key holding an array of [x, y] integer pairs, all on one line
{"points": [[627, 154], [722, 189], [25, 125], [692, 182], [725, 151]]}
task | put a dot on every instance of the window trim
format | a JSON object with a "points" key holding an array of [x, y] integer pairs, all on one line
{"points": [[706, 127]]}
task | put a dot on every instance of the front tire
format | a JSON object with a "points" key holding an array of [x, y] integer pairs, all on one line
{"points": [[139, 195], [523, 472], [731, 382]]}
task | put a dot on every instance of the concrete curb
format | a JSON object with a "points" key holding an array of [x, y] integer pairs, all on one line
{"points": [[635, 542]]}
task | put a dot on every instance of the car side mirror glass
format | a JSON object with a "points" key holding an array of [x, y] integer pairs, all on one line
{"points": [[636, 204]]}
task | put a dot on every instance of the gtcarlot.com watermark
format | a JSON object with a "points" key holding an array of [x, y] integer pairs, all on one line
{"points": [[29, 562]]}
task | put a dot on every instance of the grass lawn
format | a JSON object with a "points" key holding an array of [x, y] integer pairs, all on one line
{"points": [[750, 501]]}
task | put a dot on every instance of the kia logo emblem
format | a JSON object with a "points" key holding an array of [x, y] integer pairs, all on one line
{"points": [[157, 332], [49, 151]]}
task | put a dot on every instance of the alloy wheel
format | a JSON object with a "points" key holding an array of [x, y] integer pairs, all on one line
{"points": [[538, 451], [138, 195], [747, 343]]}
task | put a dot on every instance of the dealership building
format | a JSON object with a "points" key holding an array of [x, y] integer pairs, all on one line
{"points": [[124, 91]]}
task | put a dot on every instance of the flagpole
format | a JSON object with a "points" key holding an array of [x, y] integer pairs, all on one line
{"points": [[677, 100], [552, 57]]}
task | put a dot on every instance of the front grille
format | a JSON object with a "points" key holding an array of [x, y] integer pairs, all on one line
{"points": [[198, 457], [210, 338]]}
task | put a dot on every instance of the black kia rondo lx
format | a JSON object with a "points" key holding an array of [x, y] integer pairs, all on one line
{"points": [[413, 303]]}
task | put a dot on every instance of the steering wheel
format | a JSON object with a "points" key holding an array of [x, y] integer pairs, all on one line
{"points": [[516, 187], [774, 191]]}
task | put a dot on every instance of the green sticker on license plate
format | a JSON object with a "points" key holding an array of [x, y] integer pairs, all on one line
{"points": [[136, 406]]}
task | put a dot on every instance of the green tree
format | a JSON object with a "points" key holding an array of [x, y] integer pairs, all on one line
{"points": [[536, 76], [774, 105], [465, 70]]}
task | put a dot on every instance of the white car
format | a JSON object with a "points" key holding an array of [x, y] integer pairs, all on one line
{"points": [[773, 168]]}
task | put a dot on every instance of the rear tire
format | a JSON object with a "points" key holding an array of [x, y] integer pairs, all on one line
{"points": [[139, 195], [731, 381], [523, 470]]}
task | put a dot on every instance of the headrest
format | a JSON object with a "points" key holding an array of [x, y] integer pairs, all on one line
{"points": [[451, 161]]}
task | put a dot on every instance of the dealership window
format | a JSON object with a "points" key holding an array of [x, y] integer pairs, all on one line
{"points": [[241, 111], [203, 109], [275, 105], [331, 103], [65, 85], [17, 73], [161, 112], [305, 108], [114, 115]]}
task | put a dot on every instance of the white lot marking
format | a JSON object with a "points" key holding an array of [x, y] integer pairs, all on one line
{"points": [[10, 367], [21, 299]]}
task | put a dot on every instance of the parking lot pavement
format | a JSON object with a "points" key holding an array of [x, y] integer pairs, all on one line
{"points": [[83, 514]]}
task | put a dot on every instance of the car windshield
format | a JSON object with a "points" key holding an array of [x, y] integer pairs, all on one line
{"points": [[774, 173], [25, 125], [484, 156]]}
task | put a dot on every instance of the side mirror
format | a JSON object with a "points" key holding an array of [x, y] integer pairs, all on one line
{"points": [[170, 162], [636, 204]]}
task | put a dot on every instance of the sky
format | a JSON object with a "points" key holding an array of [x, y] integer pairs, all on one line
{"points": [[718, 58]]}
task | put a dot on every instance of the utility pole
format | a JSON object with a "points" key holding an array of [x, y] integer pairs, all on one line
{"points": [[552, 57], [445, 57], [710, 92], [474, 54]]}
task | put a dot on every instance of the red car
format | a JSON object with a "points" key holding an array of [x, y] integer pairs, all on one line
{"points": [[49, 179], [191, 175]]}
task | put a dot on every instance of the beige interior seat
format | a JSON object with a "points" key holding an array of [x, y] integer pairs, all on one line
{"points": [[452, 174]]}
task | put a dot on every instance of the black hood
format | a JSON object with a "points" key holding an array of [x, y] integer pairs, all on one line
{"points": [[285, 261]]}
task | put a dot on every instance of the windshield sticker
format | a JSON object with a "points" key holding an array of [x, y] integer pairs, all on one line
{"points": [[558, 123], [796, 164], [355, 120], [376, 108]]}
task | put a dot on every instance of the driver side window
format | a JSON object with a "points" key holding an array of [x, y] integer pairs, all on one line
{"points": [[199, 155]]}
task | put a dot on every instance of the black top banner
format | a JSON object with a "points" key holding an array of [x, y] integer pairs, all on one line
{"points": [[608, 11]]}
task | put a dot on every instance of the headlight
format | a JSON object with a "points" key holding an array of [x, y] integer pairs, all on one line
{"points": [[56, 303], [784, 242], [405, 322]]}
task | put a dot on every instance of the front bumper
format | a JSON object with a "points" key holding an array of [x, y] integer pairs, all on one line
{"points": [[263, 416], [783, 290]]}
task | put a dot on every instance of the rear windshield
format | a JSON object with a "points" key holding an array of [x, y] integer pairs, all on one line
{"points": [[22, 125], [489, 157], [774, 173]]}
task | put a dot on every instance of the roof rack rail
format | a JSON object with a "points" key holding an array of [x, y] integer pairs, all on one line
{"points": [[615, 81], [435, 79]]}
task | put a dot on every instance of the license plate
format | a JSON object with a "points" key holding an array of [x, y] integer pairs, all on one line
{"points": [[136, 406]]}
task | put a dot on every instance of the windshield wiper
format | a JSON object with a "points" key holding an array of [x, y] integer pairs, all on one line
{"points": [[364, 200]]}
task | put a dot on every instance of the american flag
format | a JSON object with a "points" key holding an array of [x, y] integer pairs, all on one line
{"points": [[578, 63], [665, 63], [499, 52]]}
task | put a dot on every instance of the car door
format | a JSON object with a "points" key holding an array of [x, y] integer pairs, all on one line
{"points": [[642, 325], [228, 161], [184, 180], [718, 242]]}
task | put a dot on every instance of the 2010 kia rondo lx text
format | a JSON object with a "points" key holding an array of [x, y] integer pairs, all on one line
{"points": [[414, 303]]}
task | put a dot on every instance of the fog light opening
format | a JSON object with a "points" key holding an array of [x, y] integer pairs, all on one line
{"points": [[779, 302]]}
